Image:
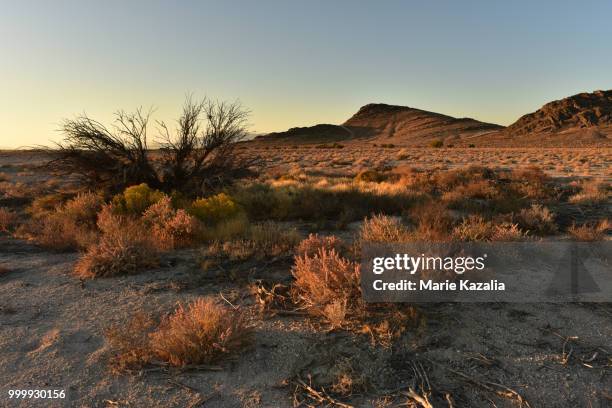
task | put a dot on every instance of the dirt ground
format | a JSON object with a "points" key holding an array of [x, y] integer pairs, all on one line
{"points": [[465, 355]]}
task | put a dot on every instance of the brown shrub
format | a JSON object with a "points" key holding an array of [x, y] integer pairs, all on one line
{"points": [[272, 238], [170, 228], [44, 205], [476, 228], [327, 285], [433, 222], [124, 247], [537, 219], [268, 239], [382, 228], [592, 192], [130, 343], [311, 245], [68, 226], [371, 176], [590, 231], [532, 182], [8, 219], [203, 332]]}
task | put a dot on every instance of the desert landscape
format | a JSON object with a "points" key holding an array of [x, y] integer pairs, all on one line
{"points": [[216, 271]]}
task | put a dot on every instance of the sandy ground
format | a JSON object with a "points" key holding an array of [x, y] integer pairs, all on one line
{"points": [[51, 335], [52, 332]]}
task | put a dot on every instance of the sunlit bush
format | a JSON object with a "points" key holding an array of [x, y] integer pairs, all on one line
{"points": [[136, 199], [214, 209]]}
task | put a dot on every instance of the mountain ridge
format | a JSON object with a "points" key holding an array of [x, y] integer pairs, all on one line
{"points": [[581, 119]]}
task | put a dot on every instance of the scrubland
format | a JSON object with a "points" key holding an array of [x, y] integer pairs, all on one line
{"points": [[249, 295]]}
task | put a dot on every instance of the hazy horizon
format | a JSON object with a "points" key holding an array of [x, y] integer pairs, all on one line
{"points": [[294, 64]]}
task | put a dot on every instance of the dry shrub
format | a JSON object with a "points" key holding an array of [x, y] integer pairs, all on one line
{"points": [[382, 228], [531, 182], [432, 221], [124, 247], [371, 176], [311, 245], [476, 228], [592, 192], [130, 343], [272, 238], [396, 319], [590, 231], [237, 227], [348, 378], [271, 299], [537, 219], [8, 219], [170, 228], [43, 205], [69, 226], [463, 195], [327, 285], [264, 240], [202, 332]]}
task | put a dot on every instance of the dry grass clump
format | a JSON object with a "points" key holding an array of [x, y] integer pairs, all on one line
{"points": [[371, 176], [8, 219], [311, 245], [345, 201], [69, 226], [531, 182], [170, 228], [124, 247], [432, 222], [203, 332], [590, 231], [592, 192], [44, 205], [273, 238], [227, 230], [347, 378], [327, 285], [382, 228], [130, 343], [264, 240], [476, 228], [537, 219]]}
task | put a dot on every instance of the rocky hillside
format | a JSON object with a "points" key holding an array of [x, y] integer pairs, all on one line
{"points": [[584, 120], [585, 110], [580, 120], [401, 124], [387, 124]]}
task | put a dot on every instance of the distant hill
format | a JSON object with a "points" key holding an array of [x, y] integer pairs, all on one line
{"points": [[580, 120], [404, 125], [310, 134]]}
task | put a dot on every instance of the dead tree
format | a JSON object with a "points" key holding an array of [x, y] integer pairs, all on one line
{"points": [[198, 155]]}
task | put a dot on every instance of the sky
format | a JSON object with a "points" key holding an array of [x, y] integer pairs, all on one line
{"points": [[293, 63]]}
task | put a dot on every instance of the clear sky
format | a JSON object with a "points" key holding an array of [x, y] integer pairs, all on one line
{"points": [[294, 63]]}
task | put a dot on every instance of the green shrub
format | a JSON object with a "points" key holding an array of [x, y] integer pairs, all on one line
{"points": [[136, 199], [216, 208]]}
